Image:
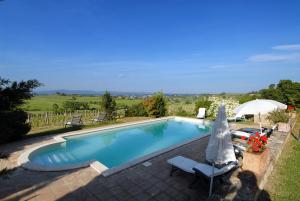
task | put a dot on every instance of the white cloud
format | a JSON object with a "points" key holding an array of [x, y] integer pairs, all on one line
{"points": [[287, 47], [274, 57]]}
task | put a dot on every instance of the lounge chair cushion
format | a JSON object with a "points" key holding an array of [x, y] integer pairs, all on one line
{"points": [[183, 163], [207, 169], [191, 166]]}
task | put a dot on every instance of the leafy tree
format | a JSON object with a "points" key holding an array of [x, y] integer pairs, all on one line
{"points": [[286, 91], [247, 97], [181, 112], [156, 105], [108, 104], [71, 106], [13, 123], [136, 110], [55, 108], [203, 103]]}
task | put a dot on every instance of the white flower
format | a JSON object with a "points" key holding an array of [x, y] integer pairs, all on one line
{"points": [[230, 105]]}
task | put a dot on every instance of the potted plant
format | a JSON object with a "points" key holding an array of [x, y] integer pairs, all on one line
{"points": [[257, 156], [280, 118], [257, 143]]}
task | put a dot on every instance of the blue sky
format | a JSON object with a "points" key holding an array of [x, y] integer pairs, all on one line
{"points": [[144, 46]]}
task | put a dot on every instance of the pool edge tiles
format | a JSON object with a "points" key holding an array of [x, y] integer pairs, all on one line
{"points": [[25, 162]]}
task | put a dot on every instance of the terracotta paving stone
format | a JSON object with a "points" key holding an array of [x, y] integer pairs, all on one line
{"points": [[135, 183]]}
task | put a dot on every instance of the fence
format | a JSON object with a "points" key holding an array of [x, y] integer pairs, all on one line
{"points": [[53, 119]]}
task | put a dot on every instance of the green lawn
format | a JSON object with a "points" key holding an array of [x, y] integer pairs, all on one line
{"points": [[45, 102], [60, 129], [284, 183]]}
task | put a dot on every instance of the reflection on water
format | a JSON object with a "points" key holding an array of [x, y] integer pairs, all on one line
{"points": [[118, 146]]}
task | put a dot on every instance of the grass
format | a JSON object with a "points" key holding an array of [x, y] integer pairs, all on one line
{"points": [[284, 183], [45, 102], [50, 130]]}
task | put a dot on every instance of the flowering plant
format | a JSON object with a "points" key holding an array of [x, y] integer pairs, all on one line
{"points": [[216, 101], [257, 143]]}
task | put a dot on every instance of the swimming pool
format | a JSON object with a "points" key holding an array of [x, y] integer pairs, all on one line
{"points": [[117, 146]]}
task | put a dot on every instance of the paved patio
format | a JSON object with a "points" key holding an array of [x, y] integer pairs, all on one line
{"points": [[135, 183]]}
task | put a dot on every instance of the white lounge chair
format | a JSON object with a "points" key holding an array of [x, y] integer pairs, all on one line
{"points": [[236, 118], [196, 168], [240, 134], [201, 113]]}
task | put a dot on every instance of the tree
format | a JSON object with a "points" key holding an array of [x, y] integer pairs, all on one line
{"points": [[108, 104], [55, 108], [204, 103], [136, 110], [156, 105], [286, 91], [13, 124]]}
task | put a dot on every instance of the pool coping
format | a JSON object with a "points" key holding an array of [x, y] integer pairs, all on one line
{"points": [[24, 161]]}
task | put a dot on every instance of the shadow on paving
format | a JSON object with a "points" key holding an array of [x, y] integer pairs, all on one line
{"points": [[20, 184], [239, 186], [135, 184]]}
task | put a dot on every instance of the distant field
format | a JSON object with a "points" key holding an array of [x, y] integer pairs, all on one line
{"points": [[45, 102]]}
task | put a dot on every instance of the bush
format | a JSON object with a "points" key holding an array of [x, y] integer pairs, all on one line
{"points": [[71, 106], [202, 103], [137, 110], [246, 98], [285, 91], [230, 105], [13, 120], [13, 125], [182, 112], [156, 105], [108, 104], [278, 116]]}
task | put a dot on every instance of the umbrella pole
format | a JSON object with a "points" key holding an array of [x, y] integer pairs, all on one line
{"points": [[211, 180], [260, 124]]}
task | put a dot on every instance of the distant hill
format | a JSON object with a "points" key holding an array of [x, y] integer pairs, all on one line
{"points": [[116, 93], [89, 92]]}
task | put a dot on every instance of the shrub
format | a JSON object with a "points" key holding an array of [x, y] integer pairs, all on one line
{"points": [[55, 108], [156, 105], [182, 112], [286, 91], [13, 120], [108, 104], [230, 105], [187, 102], [136, 110], [13, 125], [71, 106], [278, 116], [202, 103], [246, 98]]}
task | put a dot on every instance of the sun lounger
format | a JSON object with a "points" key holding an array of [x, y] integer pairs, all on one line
{"points": [[196, 168], [201, 113], [101, 118], [76, 121], [247, 132], [236, 118]]}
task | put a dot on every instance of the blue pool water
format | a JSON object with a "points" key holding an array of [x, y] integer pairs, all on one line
{"points": [[118, 146]]}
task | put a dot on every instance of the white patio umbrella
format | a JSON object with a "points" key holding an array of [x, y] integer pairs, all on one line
{"points": [[259, 106], [219, 149]]}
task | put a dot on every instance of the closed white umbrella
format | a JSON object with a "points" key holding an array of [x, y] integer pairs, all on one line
{"points": [[258, 106], [220, 149]]}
